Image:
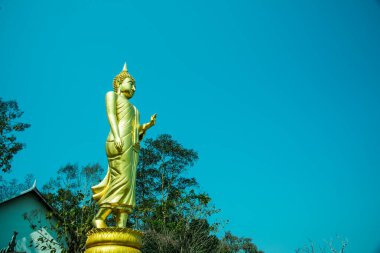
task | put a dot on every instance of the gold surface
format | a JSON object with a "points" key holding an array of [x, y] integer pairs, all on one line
{"points": [[113, 240], [116, 193]]}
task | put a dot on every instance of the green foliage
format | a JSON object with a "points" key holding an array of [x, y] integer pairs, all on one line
{"points": [[233, 244], [171, 210], [69, 193], [9, 114], [162, 192], [194, 237]]}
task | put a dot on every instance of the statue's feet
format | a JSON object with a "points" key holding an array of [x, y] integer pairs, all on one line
{"points": [[99, 223], [121, 220]]}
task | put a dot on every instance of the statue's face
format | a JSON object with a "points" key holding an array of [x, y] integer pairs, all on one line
{"points": [[128, 87]]}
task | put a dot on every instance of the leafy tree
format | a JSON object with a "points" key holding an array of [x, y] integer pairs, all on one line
{"points": [[9, 114], [160, 184], [69, 193], [171, 210], [193, 238], [233, 244]]}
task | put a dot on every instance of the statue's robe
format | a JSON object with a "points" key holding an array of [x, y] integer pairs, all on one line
{"points": [[117, 190]]}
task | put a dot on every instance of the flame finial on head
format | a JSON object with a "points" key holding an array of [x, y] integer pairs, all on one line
{"points": [[117, 81]]}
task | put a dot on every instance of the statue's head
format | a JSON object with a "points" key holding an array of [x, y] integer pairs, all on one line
{"points": [[128, 87], [124, 83]]}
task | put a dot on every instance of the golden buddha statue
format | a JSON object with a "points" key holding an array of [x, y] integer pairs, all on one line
{"points": [[116, 193]]}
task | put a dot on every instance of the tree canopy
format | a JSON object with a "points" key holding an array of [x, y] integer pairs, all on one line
{"points": [[9, 125], [171, 210]]}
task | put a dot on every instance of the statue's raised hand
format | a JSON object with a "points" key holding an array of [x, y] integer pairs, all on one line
{"points": [[153, 120]]}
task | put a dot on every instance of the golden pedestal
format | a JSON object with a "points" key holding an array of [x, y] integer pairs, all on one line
{"points": [[113, 240]]}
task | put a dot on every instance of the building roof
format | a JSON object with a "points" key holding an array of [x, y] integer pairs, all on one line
{"points": [[32, 190]]}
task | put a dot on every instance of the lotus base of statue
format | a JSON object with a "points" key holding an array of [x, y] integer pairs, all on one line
{"points": [[113, 240]]}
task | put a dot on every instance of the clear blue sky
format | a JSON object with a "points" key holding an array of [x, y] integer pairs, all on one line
{"points": [[280, 99]]}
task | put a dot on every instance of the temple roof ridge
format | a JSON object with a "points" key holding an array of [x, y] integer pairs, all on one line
{"points": [[33, 187]]}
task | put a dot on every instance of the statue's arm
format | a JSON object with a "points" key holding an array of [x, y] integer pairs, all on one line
{"points": [[112, 119], [146, 126]]}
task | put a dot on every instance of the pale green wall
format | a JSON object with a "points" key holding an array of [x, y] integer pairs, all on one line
{"points": [[11, 215]]}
